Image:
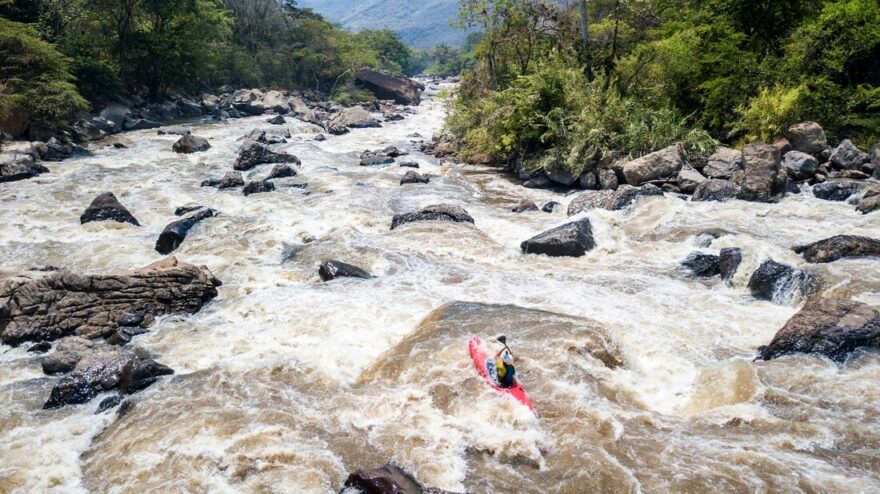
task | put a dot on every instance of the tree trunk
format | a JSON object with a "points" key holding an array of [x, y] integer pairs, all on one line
{"points": [[585, 34]]}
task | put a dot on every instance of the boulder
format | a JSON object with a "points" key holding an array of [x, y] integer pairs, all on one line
{"points": [[248, 101], [659, 165], [114, 114], [189, 108], [355, 118], [525, 205], [760, 171], [807, 137], [210, 102], [729, 260], [191, 144], [839, 247], [716, 190], [571, 239], [589, 180], [387, 479], [333, 269], [61, 303], [393, 152], [689, 179], [435, 212], [607, 179], [868, 204], [550, 206], [412, 177], [281, 171], [253, 153], [105, 207], [276, 120], [230, 180], [140, 124], [701, 264], [837, 190], [849, 174], [408, 164], [69, 351], [626, 195], [539, 182], [17, 166], [275, 136], [782, 144], [847, 156], [779, 282], [799, 165], [827, 326], [556, 170], [258, 187], [174, 233], [277, 102], [387, 86], [723, 163], [105, 369], [375, 158]]}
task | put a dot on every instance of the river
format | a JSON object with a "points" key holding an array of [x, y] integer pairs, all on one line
{"points": [[642, 376]]}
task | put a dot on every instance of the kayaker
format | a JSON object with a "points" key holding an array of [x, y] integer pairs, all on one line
{"points": [[504, 367]]}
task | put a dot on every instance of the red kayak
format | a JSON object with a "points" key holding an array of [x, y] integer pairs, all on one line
{"points": [[484, 361]]}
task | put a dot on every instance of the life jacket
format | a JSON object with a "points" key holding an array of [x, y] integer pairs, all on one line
{"points": [[505, 372]]}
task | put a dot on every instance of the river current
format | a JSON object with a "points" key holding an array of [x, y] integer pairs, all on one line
{"points": [[642, 376]]}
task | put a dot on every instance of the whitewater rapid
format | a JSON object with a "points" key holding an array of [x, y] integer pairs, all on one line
{"points": [[287, 384]]}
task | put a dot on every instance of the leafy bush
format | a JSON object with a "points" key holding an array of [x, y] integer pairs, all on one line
{"points": [[771, 112], [35, 77]]}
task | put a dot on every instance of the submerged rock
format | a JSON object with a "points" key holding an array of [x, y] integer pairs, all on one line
{"points": [[333, 269], [174, 233], [524, 205], [613, 200], [827, 326], [63, 303], [254, 153], [191, 144], [571, 240], [779, 282], [701, 264], [435, 212], [839, 247], [550, 206], [387, 479], [230, 180], [105, 207]]}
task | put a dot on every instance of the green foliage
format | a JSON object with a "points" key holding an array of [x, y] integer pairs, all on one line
{"points": [[393, 53], [35, 77], [556, 111], [772, 111]]}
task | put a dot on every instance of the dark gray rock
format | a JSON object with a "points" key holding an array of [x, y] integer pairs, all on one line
{"points": [[258, 187], [836, 190], [689, 179], [550, 206], [387, 479], [728, 262], [191, 144], [140, 124], [839, 247], [276, 120], [626, 195], [716, 190], [375, 158], [589, 180], [253, 153], [105, 207], [847, 156], [435, 212], [539, 182], [333, 269], [412, 177], [174, 233], [524, 205], [387, 86], [408, 164], [827, 326], [779, 283], [799, 165], [701, 264], [19, 167], [281, 171], [571, 240]]}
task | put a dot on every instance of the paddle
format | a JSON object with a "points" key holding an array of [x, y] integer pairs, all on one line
{"points": [[503, 340]]}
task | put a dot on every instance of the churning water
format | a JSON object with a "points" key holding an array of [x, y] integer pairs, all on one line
{"points": [[642, 376]]}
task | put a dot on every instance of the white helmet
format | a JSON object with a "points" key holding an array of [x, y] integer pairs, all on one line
{"points": [[507, 358]]}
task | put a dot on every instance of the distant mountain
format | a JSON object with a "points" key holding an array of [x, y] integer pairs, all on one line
{"points": [[421, 23]]}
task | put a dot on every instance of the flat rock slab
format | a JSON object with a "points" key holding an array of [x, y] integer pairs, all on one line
{"points": [[434, 212], [62, 303], [839, 247]]}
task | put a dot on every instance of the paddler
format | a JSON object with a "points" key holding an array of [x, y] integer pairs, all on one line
{"points": [[504, 367]]}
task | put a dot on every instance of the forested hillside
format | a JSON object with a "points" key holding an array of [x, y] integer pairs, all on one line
{"points": [[643, 75], [423, 24], [61, 57]]}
